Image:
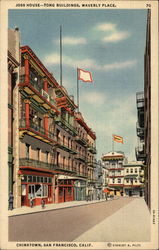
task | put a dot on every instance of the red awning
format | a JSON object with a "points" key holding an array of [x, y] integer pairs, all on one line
{"points": [[106, 190]]}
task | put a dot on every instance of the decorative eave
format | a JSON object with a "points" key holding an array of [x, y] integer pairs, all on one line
{"points": [[60, 91], [28, 50]]}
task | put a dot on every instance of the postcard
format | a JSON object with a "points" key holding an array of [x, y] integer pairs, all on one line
{"points": [[79, 125]]}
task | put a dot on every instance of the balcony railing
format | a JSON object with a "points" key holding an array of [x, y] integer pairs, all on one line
{"points": [[80, 157], [81, 140], [140, 153], [66, 125], [67, 147], [92, 149], [91, 164], [38, 86], [36, 128], [80, 174], [36, 163], [91, 179], [65, 167], [140, 131], [140, 99]]}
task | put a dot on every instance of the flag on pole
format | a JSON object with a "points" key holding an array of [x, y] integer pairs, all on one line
{"points": [[84, 75], [118, 138]]}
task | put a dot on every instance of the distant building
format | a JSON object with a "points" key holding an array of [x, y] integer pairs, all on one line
{"points": [[133, 179], [99, 180], [114, 165]]}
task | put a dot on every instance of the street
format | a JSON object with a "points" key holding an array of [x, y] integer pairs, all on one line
{"points": [[64, 224]]}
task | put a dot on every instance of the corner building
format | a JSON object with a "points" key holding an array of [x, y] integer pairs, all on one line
{"points": [[114, 164], [51, 145]]}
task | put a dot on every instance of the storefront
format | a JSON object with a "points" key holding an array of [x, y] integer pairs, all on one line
{"points": [[36, 186], [65, 190], [80, 190], [134, 191]]}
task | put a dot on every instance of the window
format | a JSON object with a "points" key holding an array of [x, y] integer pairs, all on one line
{"points": [[34, 178], [57, 133], [63, 140], [119, 180], [131, 170], [135, 170], [38, 154], [127, 171], [127, 180], [69, 191], [47, 156], [113, 181], [31, 193], [30, 178], [45, 179], [64, 161], [135, 180], [38, 189], [45, 191], [27, 150]]}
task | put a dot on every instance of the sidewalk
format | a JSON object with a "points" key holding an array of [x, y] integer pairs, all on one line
{"points": [[54, 206], [130, 223]]}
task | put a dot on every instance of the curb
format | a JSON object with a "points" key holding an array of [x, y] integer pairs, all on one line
{"points": [[32, 212]]}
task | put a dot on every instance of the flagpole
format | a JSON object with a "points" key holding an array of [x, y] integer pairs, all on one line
{"points": [[61, 55], [112, 144], [77, 91]]}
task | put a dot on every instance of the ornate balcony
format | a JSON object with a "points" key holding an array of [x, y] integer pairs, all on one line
{"points": [[65, 168], [81, 140], [140, 153], [83, 175], [34, 90], [36, 164], [140, 131], [92, 149], [91, 164], [35, 131], [64, 146], [65, 125], [80, 157]]}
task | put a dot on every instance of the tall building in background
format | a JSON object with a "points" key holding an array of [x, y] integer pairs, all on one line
{"points": [[143, 151]]}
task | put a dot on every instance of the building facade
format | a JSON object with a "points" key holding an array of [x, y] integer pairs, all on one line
{"points": [[114, 164], [53, 148], [13, 76], [143, 151], [133, 179]]}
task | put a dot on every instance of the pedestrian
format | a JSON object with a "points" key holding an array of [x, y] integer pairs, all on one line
{"points": [[99, 197], [10, 200], [106, 196], [31, 202], [42, 203]]}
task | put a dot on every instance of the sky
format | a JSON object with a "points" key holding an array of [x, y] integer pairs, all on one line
{"points": [[108, 43]]}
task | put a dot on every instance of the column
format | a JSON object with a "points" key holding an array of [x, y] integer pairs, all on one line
{"points": [[46, 124], [27, 105], [45, 85], [26, 64]]}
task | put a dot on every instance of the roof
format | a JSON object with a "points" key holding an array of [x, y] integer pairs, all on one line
{"points": [[113, 155], [133, 164]]}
